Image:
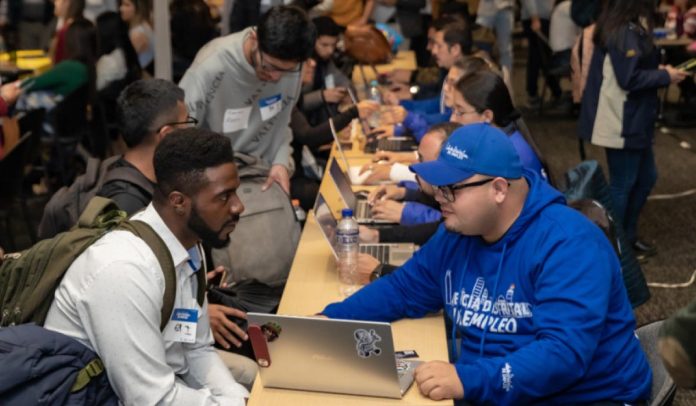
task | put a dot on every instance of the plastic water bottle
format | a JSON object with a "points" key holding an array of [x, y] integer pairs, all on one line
{"points": [[347, 234], [375, 94]]}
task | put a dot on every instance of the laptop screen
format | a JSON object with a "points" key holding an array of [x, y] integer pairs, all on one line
{"points": [[339, 147], [342, 183], [327, 222]]}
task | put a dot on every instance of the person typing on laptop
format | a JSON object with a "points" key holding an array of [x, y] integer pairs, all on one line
{"points": [[533, 288]]}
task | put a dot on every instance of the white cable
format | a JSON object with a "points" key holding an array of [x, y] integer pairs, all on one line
{"points": [[674, 285], [672, 195]]}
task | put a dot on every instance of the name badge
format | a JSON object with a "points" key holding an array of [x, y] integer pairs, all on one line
{"points": [[236, 119], [182, 326], [329, 81], [270, 106]]}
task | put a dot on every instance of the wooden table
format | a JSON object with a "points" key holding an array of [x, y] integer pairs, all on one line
{"points": [[313, 283]]}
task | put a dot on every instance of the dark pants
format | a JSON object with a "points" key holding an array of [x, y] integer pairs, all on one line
{"points": [[632, 175], [534, 61]]}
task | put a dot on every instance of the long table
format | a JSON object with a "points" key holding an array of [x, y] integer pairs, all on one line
{"points": [[312, 284]]}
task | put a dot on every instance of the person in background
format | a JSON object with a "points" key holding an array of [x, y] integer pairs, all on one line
{"points": [[138, 15], [499, 16], [118, 61], [245, 84], [77, 68], [619, 107], [536, 15], [66, 12], [329, 86], [94, 8], [483, 97], [192, 26], [30, 18]]}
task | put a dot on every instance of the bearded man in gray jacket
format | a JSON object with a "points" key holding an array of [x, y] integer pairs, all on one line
{"points": [[245, 85]]}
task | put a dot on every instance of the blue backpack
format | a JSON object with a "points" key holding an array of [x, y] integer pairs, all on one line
{"points": [[43, 367]]}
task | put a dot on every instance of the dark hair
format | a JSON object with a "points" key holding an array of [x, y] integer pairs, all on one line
{"points": [[143, 10], [486, 90], [446, 128], [144, 105], [286, 33], [470, 64], [112, 33], [616, 15], [439, 23], [325, 25], [81, 46], [76, 9], [458, 33], [182, 157]]}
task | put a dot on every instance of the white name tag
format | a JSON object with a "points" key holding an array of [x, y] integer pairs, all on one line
{"points": [[329, 81], [182, 327], [270, 106], [236, 119]]}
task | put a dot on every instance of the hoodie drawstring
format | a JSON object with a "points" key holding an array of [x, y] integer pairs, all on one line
{"points": [[460, 282], [495, 292]]}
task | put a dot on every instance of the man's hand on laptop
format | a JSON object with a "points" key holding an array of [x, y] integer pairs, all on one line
{"points": [[378, 173], [280, 175], [384, 192], [438, 380], [389, 210], [366, 265], [368, 235], [225, 331]]}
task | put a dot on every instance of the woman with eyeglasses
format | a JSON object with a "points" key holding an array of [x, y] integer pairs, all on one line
{"points": [[483, 97]]}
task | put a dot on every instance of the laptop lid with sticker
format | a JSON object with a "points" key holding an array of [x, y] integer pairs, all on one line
{"points": [[328, 355]]}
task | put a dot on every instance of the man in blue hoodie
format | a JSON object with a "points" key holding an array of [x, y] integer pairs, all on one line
{"points": [[533, 289]]}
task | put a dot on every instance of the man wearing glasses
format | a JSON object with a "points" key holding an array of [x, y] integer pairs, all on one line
{"points": [[533, 289], [148, 110], [244, 85]]}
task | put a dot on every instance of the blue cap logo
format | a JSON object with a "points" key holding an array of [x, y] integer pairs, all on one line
{"points": [[472, 149]]}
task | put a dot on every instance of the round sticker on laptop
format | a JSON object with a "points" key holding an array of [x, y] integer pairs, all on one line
{"points": [[366, 343]]}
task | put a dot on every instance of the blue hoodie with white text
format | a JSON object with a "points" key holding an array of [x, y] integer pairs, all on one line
{"points": [[543, 314]]}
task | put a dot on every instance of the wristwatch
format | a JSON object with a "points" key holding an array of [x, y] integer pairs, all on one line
{"points": [[376, 273]]}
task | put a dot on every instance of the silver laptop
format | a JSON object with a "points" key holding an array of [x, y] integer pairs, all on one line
{"points": [[328, 355], [387, 253], [361, 208]]}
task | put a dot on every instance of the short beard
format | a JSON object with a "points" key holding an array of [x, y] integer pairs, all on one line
{"points": [[208, 236]]}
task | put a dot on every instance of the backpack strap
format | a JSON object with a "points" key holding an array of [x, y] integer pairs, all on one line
{"points": [[164, 257], [159, 248], [95, 210], [130, 175]]}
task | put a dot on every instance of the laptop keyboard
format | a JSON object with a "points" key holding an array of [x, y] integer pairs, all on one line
{"points": [[363, 210], [381, 252], [386, 144]]}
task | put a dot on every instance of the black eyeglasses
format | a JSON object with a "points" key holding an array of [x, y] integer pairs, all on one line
{"points": [[448, 191], [190, 122], [268, 67]]}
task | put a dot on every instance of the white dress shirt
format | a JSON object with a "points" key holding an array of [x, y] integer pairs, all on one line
{"points": [[111, 299]]}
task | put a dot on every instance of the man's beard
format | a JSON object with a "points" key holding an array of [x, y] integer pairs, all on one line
{"points": [[208, 236]]}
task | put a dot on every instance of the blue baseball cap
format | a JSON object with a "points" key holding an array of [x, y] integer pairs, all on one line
{"points": [[472, 149]]}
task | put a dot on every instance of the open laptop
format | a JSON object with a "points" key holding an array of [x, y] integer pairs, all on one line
{"points": [[387, 253], [329, 355], [361, 208]]}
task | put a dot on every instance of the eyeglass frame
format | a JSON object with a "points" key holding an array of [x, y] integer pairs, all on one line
{"points": [[458, 113], [447, 191], [189, 120]]}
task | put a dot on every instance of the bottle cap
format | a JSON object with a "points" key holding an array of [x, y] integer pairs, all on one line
{"points": [[347, 213]]}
